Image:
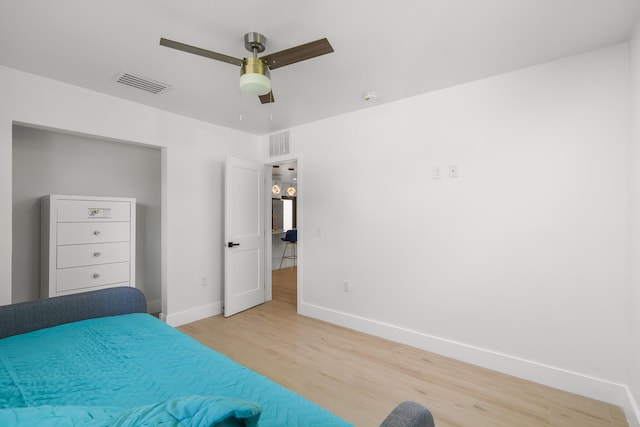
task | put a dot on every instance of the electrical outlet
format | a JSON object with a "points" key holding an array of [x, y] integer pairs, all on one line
{"points": [[203, 281], [453, 171], [346, 285]]}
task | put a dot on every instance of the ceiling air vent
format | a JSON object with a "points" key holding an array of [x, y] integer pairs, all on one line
{"points": [[142, 83], [279, 144]]}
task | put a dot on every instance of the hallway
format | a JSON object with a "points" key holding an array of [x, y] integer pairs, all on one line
{"points": [[284, 283]]}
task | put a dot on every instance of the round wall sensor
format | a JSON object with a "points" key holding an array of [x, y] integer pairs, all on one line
{"points": [[370, 96]]}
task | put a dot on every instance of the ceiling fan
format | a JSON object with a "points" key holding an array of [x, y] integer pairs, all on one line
{"points": [[255, 72]]}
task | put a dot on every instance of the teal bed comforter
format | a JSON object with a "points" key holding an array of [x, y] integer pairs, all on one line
{"points": [[133, 370]]}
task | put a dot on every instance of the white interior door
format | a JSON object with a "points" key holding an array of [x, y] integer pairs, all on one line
{"points": [[244, 235]]}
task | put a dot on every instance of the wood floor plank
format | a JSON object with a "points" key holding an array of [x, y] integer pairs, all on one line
{"points": [[361, 378]]}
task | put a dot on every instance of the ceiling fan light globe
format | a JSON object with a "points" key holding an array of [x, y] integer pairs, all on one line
{"points": [[254, 77], [254, 83]]}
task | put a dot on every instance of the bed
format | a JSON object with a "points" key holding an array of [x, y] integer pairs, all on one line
{"points": [[97, 359]]}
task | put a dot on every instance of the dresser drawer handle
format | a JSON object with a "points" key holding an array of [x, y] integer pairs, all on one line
{"points": [[96, 233], [96, 276], [96, 254]]}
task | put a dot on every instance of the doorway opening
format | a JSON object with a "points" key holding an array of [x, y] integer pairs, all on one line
{"points": [[284, 228]]}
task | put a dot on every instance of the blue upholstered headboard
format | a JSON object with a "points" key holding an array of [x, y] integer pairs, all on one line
{"points": [[32, 315]]}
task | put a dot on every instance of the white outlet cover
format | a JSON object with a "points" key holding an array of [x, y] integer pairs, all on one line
{"points": [[437, 172]]}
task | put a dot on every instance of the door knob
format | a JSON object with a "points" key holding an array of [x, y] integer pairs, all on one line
{"points": [[231, 244]]}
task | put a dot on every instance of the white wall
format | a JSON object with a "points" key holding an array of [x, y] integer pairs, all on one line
{"points": [[520, 263], [634, 196], [193, 158]]}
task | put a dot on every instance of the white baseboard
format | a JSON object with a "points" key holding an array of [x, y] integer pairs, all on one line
{"points": [[192, 315], [595, 388], [632, 410]]}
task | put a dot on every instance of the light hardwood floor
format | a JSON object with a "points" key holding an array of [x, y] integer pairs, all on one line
{"points": [[361, 378]]}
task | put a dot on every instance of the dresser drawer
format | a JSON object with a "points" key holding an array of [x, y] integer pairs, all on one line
{"points": [[99, 253], [69, 279], [76, 233], [93, 211]]}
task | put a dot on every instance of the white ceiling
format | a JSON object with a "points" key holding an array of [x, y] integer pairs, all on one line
{"points": [[286, 172], [397, 48]]}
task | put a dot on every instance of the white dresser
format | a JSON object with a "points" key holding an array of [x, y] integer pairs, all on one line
{"points": [[88, 243]]}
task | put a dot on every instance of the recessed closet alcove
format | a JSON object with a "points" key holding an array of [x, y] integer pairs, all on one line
{"points": [[53, 162]]}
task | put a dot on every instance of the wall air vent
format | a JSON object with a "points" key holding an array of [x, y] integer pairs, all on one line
{"points": [[142, 83], [279, 144]]}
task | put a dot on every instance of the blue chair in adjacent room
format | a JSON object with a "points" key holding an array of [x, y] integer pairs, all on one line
{"points": [[291, 240]]}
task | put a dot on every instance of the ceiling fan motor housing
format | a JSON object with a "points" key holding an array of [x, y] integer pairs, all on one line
{"points": [[255, 42]]}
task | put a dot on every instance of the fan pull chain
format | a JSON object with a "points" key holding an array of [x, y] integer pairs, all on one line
{"points": [[271, 107]]}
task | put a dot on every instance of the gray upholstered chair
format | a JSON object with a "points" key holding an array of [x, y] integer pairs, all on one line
{"points": [[409, 414]]}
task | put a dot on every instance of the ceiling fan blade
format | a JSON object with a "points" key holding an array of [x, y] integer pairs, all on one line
{"points": [[199, 51], [268, 98], [298, 53]]}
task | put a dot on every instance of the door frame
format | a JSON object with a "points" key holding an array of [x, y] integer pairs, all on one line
{"points": [[268, 289]]}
